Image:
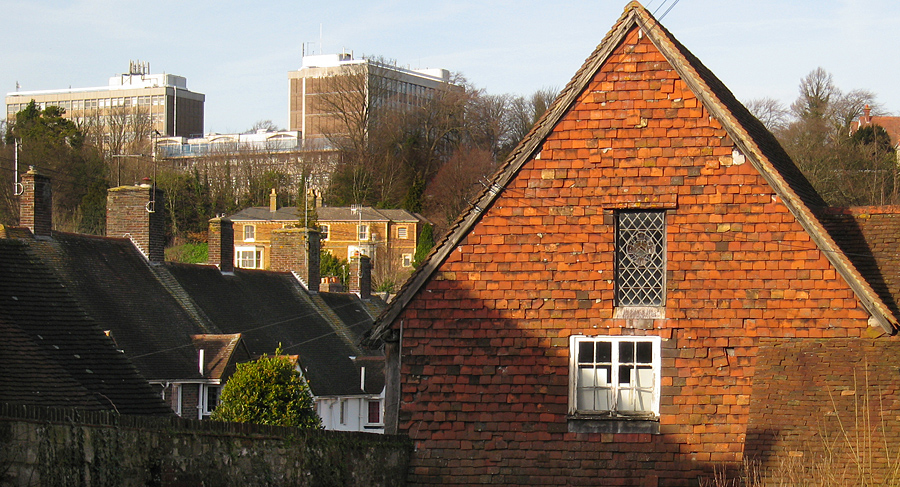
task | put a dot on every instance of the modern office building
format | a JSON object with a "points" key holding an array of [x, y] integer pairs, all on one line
{"points": [[332, 94], [136, 100]]}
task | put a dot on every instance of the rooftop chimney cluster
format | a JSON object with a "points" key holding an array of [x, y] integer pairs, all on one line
{"points": [[136, 212]]}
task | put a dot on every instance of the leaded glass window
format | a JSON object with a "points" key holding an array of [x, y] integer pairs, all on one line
{"points": [[640, 258]]}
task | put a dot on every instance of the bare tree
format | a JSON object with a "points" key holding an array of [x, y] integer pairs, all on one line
{"points": [[266, 125], [771, 112], [817, 137]]}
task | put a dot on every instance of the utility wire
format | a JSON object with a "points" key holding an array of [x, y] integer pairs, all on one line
{"points": [[669, 9]]}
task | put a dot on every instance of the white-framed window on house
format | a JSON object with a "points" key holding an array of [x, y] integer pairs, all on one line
{"points": [[373, 413], [324, 230], [209, 398], [406, 260], [362, 232], [248, 257], [640, 258], [249, 233], [343, 414], [402, 232], [614, 376]]}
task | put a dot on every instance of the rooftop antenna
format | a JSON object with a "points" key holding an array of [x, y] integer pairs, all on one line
{"points": [[18, 188]]}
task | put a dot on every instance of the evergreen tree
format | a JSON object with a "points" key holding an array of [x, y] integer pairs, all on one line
{"points": [[424, 245], [268, 390]]}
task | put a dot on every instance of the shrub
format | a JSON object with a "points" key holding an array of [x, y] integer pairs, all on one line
{"points": [[269, 390]]}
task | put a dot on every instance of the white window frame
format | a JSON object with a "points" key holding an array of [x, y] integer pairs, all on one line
{"points": [[362, 232], [205, 389], [406, 260], [402, 232], [380, 421], [249, 233], [239, 259], [579, 373], [325, 229]]}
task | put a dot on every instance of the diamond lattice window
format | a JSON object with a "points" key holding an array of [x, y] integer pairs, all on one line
{"points": [[641, 258]]}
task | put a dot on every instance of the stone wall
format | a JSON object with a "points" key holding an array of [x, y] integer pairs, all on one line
{"points": [[65, 447]]}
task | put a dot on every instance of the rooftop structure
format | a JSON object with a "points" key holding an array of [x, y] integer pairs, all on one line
{"points": [[328, 83], [140, 101]]}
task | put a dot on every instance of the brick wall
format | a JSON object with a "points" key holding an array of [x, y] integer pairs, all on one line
{"points": [[815, 399], [36, 203], [221, 244], [138, 212], [484, 374]]}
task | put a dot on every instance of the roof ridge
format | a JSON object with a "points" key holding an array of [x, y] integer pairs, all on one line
{"points": [[174, 288]]}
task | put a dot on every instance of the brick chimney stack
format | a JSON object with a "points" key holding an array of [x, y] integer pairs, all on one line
{"points": [[361, 276], [297, 250], [273, 201], [36, 203], [221, 244], [138, 212]]}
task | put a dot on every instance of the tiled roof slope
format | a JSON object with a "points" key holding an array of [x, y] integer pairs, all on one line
{"points": [[114, 284], [870, 236], [746, 132], [221, 353], [35, 304], [31, 376], [270, 309]]}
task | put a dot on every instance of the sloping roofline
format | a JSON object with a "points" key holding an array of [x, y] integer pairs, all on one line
{"points": [[753, 140]]}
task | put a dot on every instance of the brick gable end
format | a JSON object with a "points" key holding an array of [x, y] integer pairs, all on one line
{"points": [[484, 356]]}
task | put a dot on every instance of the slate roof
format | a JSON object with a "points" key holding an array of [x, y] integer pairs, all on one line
{"points": [[262, 213], [113, 283], [160, 315], [271, 309], [324, 213], [749, 135], [53, 352]]}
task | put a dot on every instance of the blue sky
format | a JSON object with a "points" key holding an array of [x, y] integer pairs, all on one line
{"points": [[239, 53]]}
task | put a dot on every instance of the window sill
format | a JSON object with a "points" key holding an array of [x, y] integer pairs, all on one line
{"points": [[639, 312], [582, 424]]}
